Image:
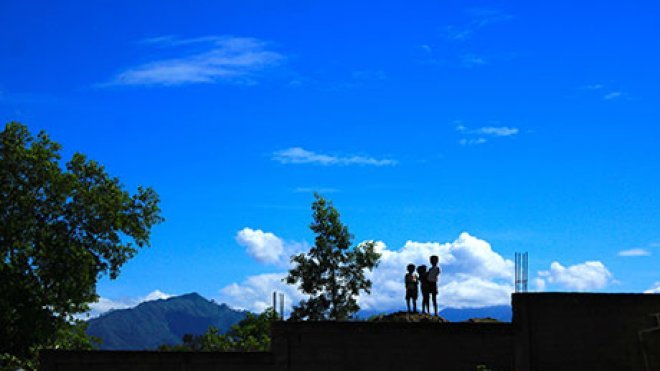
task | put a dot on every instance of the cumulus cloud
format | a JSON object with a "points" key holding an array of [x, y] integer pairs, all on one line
{"points": [[297, 155], [106, 304], [590, 275], [266, 247], [654, 290], [634, 252], [255, 292], [263, 246], [208, 59], [473, 276]]}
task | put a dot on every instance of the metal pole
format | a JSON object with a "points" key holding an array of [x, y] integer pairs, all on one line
{"points": [[282, 307], [517, 272], [275, 302], [525, 273]]}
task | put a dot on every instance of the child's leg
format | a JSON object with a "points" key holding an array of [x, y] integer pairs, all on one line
{"points": [[435, 304], [408, 304], [414, 305]]}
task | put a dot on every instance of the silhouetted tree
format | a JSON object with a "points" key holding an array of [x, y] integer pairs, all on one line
{"points": [[60, 230], [252, 334], [331, 273]]}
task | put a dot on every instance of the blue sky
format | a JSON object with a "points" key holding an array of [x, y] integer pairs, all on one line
{"points": [[530, 127]]}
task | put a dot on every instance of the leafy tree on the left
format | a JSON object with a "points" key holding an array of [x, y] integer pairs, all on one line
{"points": [[61, 229]]}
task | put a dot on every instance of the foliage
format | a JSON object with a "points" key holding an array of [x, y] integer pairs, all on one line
{"points": [[331, 273], [60, 230], [252, 334], [71, 336]]}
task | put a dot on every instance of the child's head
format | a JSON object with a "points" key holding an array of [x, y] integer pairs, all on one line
{"points": [[434, 260], [411, 268], [421, 269]]}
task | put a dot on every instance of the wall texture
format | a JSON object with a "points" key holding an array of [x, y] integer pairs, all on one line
{"points": [[155, 361], [392, 346], [559, 331]]}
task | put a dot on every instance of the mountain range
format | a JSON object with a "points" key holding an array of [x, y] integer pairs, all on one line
{"points": [[159, 322], [165, 321]]}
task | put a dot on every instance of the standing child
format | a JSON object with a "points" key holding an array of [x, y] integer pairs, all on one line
{"points": [[424, 287], [411, 287], [433, 277]]}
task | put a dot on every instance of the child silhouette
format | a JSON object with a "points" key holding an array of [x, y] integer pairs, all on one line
{"points": [[424, 287], [433, 277], [411, 282]]}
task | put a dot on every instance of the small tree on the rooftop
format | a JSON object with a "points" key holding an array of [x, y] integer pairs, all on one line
{"points": [[332, 273]]}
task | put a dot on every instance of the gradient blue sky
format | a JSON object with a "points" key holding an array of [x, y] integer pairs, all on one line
{"points": [[531, 126]]}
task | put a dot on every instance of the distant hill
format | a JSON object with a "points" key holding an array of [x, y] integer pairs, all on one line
{"points": [[500, 313], [158, 322]]}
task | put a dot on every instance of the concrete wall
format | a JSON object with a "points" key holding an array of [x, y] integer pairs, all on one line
{"points": [[155, 361], [550, 331], [392, 346], [560, 331]]}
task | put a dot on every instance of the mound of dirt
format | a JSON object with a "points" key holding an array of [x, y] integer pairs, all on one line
{"points": [[406, 317], [482, 320]]}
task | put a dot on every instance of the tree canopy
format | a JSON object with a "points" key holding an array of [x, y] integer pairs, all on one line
{"points": [[252, 334], [61, 229], [332, 273]]}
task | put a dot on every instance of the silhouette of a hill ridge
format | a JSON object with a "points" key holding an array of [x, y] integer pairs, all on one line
{"points": [[159, 322]]}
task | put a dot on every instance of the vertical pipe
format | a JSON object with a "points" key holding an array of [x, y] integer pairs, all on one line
{"points": [[517, 272], [282, 307], [526, 270], [275, 302]]}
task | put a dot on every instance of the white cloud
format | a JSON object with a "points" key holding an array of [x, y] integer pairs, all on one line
{"points": [[493, 131], [220, 58], [654, 290], [267, 248], [297, 155], [593, 87], [255, 293], [263, 246], [590, 275], [502, 131], [479, 135], [472, 60], [612, 95], [472, 141], [635, 252], [540, 284], [479, 18], [106, 304], [473, 276]]}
